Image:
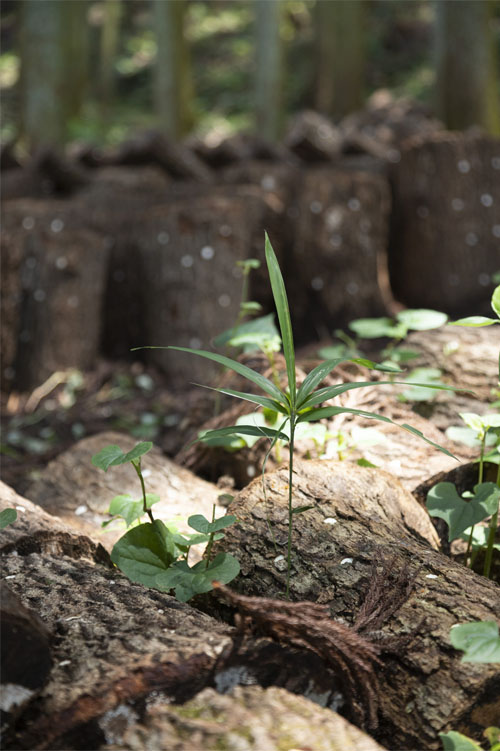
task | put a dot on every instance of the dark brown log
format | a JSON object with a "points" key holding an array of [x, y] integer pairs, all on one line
{"points": [[354, 525], [445, 238], [341, 236]]}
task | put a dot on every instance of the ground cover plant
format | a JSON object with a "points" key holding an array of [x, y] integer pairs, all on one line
{"points": [[294, 404], [154, 553], [463, 513]]}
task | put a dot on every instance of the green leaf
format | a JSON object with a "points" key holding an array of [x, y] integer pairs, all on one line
{"points": [[138, 451], [301, 509], [417, 378], [190, 581], [318, 414], [251, 375], [130, 509], [263, 326], [365, 463], [373, 328], [443, 501], [201, 524], [495, 300], [479, 640], [454, 741], [422, 319], [111, 456], [475, 321], [479, 537], [7, 516], [467, 436], [281, 302], [263, 401], [315, 377], [236, 430], [108, 457], [144, 552]]}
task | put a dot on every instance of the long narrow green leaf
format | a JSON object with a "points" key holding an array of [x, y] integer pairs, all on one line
{"points": [[317, 414], [264, 383], [263, 401], [330, 392], [242, 430], [315, 377], [320, 372], [281, 302]]}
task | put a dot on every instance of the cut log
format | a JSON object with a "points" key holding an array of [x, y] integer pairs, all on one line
{"points": [[353, 526], [445, 236], [56, 272], [116, 642], [248, 719], [341, 238], [72, 489], [189, 251], [36, 531]]}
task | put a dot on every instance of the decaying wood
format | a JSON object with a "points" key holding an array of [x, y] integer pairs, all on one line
{"points": [[354, 524], [444, 246], [340, 241], [116, 641], [249, 719], [79, 493], [36, 531]]}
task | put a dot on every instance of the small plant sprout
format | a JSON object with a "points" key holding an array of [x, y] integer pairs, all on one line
{"points": [[462, 515], [153, 553], [395, 329], [295, 404]]}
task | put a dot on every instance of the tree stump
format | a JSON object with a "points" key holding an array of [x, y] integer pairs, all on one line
{"points": [[445, 234], [353, 528], [191, 285], [341, 238], [55, 279]]}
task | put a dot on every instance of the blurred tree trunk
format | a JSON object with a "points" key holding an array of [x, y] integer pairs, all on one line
{"points": [[54, 70], [269, 69], [340, 58], [467, 71], [110, 31], [173, 81], [76, 55]]}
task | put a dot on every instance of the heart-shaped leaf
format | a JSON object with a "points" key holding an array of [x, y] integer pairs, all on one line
{"points": [[190, 581], [144, 552], [130, 509], [443, 501], [479, 640]]}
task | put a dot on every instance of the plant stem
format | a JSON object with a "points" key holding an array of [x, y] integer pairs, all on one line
{"points": [[137, 467], [491, 536], [290, 498], [211, 540], [480, 479]]}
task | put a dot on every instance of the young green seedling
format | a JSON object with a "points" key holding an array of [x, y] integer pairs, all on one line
{"points": [[153, 553], [462, 515], [295, 404]]}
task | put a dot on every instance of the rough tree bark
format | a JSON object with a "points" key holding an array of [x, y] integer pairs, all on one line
{"points": [[355, 525]]}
